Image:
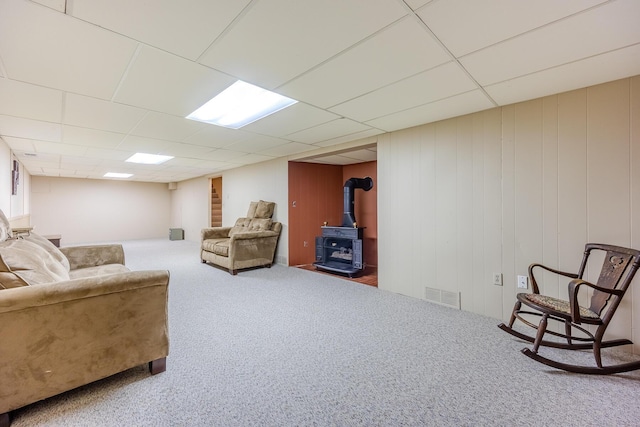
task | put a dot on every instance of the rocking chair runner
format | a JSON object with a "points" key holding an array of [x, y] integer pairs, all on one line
{"points": [[619, 267]]}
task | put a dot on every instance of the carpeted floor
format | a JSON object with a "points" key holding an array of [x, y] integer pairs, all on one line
{"points": [[289, 347]]}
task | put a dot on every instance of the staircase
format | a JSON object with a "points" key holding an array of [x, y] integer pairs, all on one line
{"points": [[216, 209]]}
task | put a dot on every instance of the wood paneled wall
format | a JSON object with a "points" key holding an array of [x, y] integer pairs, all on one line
{"points": [[497, 190], [316, 195]]}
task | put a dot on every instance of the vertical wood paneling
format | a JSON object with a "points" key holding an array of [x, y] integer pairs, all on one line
{"points": [[608, 178], [446, 208], [635, 201], [550, 193], [508, 206], [316, 190], [492, 194], [464, 210], [528, 185], [500, 189], [365, 207], [425, 189], [572, 180]]}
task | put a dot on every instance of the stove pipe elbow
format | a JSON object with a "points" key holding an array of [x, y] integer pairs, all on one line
{"points": [[366, 184]]}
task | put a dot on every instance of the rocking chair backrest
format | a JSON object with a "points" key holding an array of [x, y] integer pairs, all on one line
{"points": [[617, 262]]}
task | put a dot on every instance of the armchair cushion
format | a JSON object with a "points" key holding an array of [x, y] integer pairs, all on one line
{"points": [[240, 226], [264, 209], [259, 224]]}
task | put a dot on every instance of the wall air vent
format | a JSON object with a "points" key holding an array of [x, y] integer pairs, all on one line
{"points": [[446, 298]]}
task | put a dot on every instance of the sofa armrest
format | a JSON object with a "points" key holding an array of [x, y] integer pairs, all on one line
{"points": [[93, 255], [214, 233], [60, 336]]}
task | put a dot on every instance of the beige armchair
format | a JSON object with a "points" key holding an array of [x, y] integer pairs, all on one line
{"points": [[251, 242]]}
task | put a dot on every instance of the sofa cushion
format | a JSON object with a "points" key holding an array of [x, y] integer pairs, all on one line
{"points": [[99, 270], [259, 224], [49, 247], [264, 209], [222, 248], [5, 227], [30, 263]]}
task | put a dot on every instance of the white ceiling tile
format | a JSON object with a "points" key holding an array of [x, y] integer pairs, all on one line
{"points": [[139, 144], [250, 159], [164, 126], [169, 84], [91, 137], [41, 46], [257, 143], [365, 155], [466, 26], [48, 147], [292, 119], [333, 160], [30, 129], [607, 27], [416, 4], [588, 72], [118, 156], [183, 28], [350, 137], [329, 130], [441, 82], [383, 59], [222, 155], [58, 5], [29, 101], [458, 105], [19, 144], [268, 47], [178, 149], [216, 136], [95, 113], [287, 149]]}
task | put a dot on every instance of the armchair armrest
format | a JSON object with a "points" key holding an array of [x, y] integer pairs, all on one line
{"points": [[93, 255], [534, 283], [214, 233], [574, 287], [246, 235]]}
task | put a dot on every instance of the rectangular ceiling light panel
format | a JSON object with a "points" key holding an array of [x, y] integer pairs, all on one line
{"points": [[117, 175], [148, 159], [240, 104]]}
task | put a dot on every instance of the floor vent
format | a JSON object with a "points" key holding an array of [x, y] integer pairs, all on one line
{"points": [[449, 299]]}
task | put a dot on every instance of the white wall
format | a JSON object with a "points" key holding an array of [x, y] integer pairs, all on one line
{"points": [[263, 181], [190, 207], [497, 190], [86, 210], [17, 205]]}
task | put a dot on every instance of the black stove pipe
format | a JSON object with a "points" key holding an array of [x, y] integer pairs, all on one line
{"points": [[366, 184]]}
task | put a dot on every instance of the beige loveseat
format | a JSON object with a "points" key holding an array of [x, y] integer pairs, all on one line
{"points": [[251, 242], [72, 316]]}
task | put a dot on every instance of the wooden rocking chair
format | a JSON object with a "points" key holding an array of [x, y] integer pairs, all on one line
{"points": [[619, 267]]}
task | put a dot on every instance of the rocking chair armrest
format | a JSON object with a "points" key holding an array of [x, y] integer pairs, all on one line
{"points": [[574, 286], [534, 284]]}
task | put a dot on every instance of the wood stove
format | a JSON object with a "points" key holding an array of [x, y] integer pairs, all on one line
{"points": [[339, 249]]}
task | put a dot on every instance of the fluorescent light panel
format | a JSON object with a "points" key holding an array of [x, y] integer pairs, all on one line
{"points": [[240, 104], [148, 159], [117, 175]]}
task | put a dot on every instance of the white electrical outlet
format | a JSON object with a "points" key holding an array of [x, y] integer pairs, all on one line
{"points": [[497, 279], [523, 282]]}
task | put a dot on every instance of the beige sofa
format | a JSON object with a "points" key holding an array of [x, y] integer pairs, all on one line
{"points": [[72, 316], [251, 242]]}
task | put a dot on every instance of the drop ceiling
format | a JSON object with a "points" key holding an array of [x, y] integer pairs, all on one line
{"points": [[85, 84]]}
